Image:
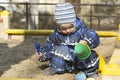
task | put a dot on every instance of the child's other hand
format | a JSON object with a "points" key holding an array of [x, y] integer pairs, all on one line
{"points": [[83, 42], [38, 55]]}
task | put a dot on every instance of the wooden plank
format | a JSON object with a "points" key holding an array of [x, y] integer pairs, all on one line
{"points": [[115, 57], [104, 77], [114, 64]]}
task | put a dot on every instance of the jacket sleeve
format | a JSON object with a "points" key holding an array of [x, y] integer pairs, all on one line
{"points": [[45, 50], [89, 35], [92, 38]]}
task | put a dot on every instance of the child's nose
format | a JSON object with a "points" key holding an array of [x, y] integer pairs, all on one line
{"points": [[68, 30]]}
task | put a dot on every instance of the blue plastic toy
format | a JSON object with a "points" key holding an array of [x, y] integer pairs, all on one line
{"points": [[80, 76], [37, 47]]}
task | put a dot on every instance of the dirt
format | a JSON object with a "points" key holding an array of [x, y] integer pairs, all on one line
{"points": [[18, 60]]}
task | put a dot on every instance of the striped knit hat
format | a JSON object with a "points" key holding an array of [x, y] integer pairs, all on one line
{"points": [[65, 13]]}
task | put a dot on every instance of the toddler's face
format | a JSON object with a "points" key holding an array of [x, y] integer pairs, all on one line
{"points": [[66, 28]]}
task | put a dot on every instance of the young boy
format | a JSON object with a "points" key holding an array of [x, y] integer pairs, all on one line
{"points": [[59, 48]]}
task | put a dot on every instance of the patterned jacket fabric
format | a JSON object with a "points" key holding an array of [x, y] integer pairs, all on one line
{"points": [[59, 50]]}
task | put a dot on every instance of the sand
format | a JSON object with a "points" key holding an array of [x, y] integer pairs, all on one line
{"points": [[18, 60]]}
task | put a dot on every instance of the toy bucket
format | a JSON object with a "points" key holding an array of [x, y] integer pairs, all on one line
{"points": [[82, 51]]}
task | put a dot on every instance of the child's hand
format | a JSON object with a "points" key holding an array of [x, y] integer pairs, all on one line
{"points": [[38, 55], [83, 42]]}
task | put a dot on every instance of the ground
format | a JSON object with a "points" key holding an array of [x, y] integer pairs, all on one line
{"points": [[17, 58]]}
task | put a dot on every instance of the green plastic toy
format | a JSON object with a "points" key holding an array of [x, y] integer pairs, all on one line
{"points": [[82, 51]]}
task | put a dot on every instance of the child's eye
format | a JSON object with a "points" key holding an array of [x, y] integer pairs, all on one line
{"points": [[64, 29]]}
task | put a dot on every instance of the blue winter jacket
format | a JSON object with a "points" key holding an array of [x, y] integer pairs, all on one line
{"points": [[59, 49]]}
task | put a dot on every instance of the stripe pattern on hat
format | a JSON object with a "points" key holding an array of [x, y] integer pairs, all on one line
{"points": [[65, 13]]}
